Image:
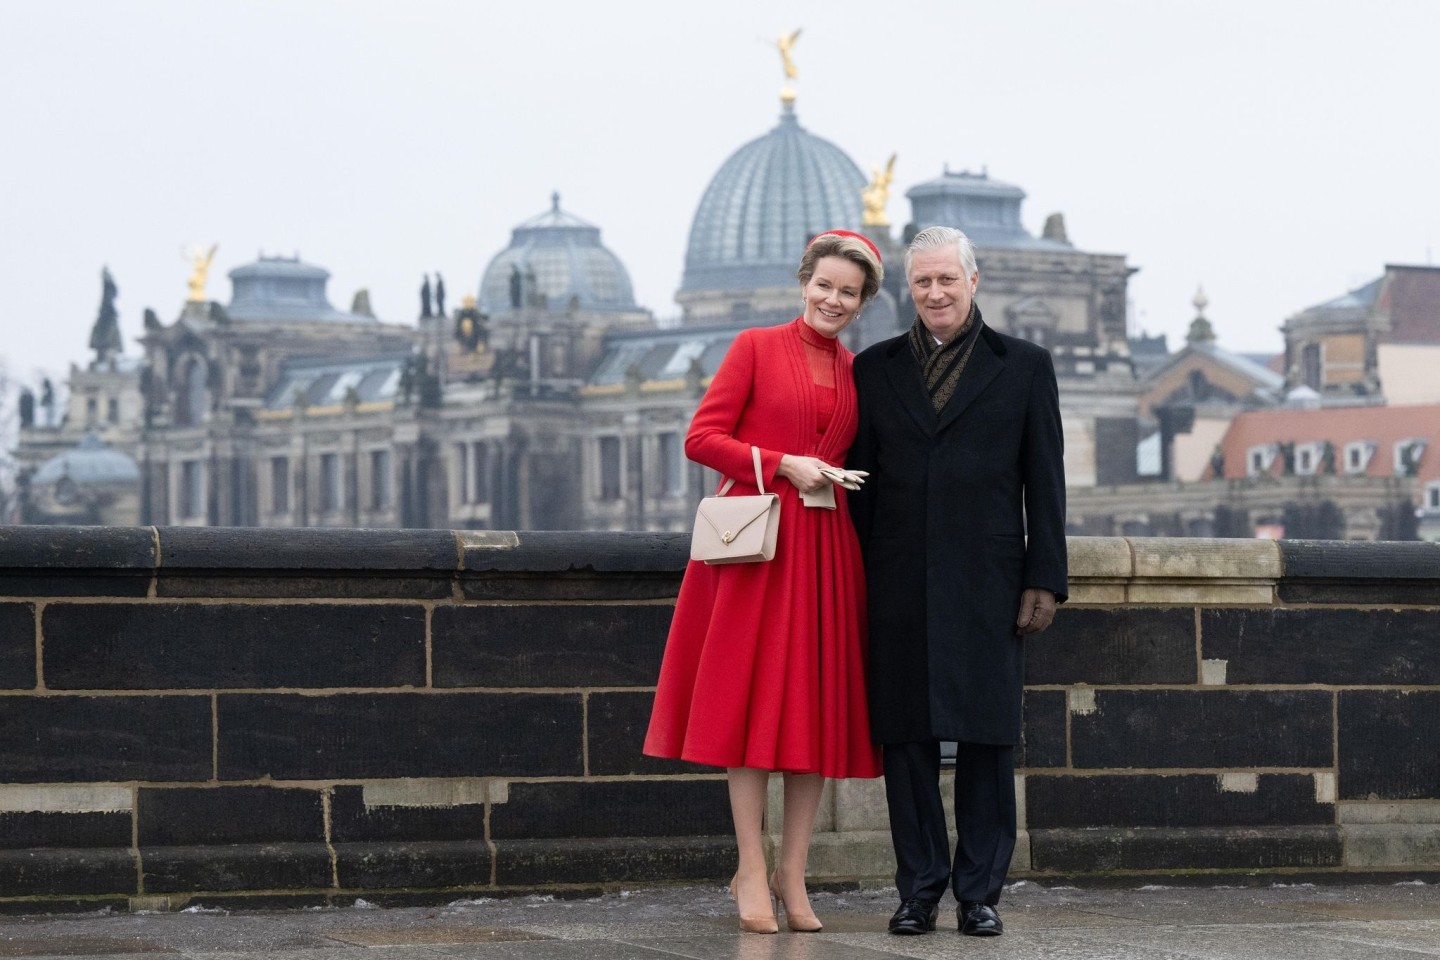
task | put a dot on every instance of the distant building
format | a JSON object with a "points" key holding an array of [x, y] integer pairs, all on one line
{"points": [[87, 484], [1377, 343], [1233, 449], [550, 399], [1378, 468], [1188, 398], [1298, 471]]}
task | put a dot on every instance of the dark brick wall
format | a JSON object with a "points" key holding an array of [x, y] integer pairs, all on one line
{"points": [[1139, 645], [50, 739], [1329, 646], [324, 712], [17, 646], [1204, 728], [1390, 736], [347, 736], [540, 645], [200, 646], [1182, 800]]}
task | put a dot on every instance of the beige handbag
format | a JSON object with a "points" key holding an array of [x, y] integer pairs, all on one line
{"points": [[737, 529]]}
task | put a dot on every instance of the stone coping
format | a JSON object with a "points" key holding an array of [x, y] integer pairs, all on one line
{"points": [[1093, 560]]}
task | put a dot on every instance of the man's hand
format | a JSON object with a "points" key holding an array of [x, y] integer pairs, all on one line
{"points": [[1037, 609]]}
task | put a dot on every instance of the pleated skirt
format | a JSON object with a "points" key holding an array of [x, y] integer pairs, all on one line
{"points": [[765, 662]]}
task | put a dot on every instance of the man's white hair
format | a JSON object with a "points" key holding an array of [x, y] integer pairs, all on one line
{"points": [[933, 238]]}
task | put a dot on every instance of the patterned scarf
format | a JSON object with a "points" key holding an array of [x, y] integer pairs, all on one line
{"points": [[942, 363]]}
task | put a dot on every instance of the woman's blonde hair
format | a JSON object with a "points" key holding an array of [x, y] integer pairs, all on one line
{"points": [[851, 248]]}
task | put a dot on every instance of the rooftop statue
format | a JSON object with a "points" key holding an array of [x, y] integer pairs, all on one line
{"points": [[876, 194], [199, 269], [785, 45], [533, 296], [1055, 228], [105, 334]]}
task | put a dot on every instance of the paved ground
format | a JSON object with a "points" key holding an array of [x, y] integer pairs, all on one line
{"points": [[1373, 922]]}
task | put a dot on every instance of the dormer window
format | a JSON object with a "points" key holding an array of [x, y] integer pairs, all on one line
{"points": [[1307, 458], [1258, 460], [1432, 497], [1407, 456], [1358, 454]]}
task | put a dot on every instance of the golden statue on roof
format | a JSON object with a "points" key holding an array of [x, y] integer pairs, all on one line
{"points": [[786, 45], [875, 194], [199, 269]]}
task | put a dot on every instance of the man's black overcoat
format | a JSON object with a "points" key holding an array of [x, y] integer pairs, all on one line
{"points": [[942, 521]]}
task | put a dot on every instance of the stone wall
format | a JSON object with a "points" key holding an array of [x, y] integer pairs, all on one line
{"points": [[313, 715]]}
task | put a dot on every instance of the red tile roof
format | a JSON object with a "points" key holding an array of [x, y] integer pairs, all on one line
{"points": [[1383, 426]]}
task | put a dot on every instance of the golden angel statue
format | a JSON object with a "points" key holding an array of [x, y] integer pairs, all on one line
{"points": [[876, 194], [786, 44], [200, 268]]}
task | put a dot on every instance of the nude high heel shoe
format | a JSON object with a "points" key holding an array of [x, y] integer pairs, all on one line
{"points": [[798, 922], [760, 924]]}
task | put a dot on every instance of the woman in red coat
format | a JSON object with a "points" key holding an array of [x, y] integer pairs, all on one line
{"points": [[764, 667]]}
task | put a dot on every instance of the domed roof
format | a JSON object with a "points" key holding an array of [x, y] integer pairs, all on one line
{"points": [[284, 289], [566, 260], [764, 205], [91, 462], [987, 210]]}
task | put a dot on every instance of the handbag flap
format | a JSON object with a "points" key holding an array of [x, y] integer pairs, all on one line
{"points": [[729, 516]]}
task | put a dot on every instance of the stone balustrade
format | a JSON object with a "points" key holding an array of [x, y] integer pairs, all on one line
{"points": [[313, 715]]}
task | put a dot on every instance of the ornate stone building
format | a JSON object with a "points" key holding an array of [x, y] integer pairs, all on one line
{"points": [[550, 399]]}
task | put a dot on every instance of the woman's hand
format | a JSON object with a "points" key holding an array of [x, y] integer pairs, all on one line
{"points": [[803, 472]]}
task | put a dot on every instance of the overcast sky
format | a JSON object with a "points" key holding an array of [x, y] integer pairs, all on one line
{"points": [[1278, 153]]}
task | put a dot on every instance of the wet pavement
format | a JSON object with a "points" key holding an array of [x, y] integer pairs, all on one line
{"points": [[1381, 921]]}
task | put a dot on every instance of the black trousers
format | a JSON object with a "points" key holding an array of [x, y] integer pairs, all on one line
{"points": [[984, 820]]}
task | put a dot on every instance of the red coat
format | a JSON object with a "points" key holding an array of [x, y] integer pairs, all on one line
{"points": [[765, 665]]}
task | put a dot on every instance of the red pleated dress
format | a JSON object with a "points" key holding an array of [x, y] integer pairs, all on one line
{"points": [[765, 662]]}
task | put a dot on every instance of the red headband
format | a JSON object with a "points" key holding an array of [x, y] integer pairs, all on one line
{"points": [[849, 233]]}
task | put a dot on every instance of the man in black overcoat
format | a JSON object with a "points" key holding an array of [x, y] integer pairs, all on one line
{"points": [[962, 523]]}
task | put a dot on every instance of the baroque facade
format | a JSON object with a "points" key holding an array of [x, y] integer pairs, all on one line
{"points": [[550, 399]]}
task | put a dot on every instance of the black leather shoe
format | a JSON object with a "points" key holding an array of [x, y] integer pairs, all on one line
{"points": [[914, 917], [978, 919]]}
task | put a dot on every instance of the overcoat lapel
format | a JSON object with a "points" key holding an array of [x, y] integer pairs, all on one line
{"points": [[984, 366], [903, 371]]}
